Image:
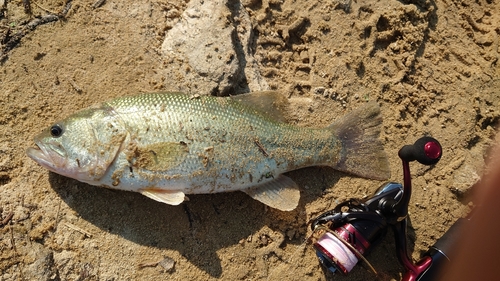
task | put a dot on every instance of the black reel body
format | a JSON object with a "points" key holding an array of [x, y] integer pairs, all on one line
{"points": [[357, 223], [347, 231]]}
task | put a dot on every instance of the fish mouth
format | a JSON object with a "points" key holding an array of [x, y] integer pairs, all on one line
{"points": [[40, 155]]}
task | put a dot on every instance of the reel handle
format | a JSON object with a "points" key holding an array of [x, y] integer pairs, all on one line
{"points": [[426, 150]]}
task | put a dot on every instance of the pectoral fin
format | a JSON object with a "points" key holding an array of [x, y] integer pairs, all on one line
{"points": [[281, 193], [165, 196]]}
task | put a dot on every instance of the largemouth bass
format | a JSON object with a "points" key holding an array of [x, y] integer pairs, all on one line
{"points": [[166, 145]]}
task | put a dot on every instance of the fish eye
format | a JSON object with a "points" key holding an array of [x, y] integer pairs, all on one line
{"points": [[56, 130]]}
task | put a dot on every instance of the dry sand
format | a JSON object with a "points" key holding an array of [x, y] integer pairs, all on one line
{"points": [[433, 66]]}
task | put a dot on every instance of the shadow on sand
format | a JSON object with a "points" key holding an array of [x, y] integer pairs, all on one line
{"points": [[198, 228]]}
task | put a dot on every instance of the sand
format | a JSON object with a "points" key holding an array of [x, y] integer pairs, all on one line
{"points": [[433, 66]]}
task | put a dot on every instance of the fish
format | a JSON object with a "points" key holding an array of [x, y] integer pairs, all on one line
{"points": [[166, 145]]}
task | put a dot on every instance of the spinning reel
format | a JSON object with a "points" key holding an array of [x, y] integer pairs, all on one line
{"points": [[345, 233]]}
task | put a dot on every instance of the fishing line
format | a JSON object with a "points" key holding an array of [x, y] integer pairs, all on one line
{"points": [[308, 239], [347, 244]]}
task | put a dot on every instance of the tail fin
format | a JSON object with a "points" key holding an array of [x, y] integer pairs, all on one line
{"points": [[362, 152]]}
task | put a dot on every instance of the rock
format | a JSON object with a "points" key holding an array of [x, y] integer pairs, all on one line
{"points": [[209, 46], [319, 90], [43, 268], [63, 259], [167, 263]]}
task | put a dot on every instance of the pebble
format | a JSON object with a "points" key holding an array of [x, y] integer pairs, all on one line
{"points": [[167, 263]]}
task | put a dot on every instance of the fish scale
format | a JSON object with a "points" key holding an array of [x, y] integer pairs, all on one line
{"points": [[231, 134], [166, 145]]}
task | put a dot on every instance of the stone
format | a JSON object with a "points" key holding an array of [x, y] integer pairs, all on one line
{"points": [[210, 44]]}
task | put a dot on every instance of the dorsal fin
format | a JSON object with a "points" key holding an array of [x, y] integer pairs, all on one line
{"points": [[281, 193], [271, 103]]}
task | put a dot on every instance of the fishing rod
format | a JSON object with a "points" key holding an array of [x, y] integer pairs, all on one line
{"points": [[344, 234]]}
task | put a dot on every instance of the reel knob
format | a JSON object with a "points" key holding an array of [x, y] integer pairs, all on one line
{"points": [[426, 150]]}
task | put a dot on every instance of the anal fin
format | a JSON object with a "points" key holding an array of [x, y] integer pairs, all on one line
{"points": [[170, 197], [281, 193]]}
